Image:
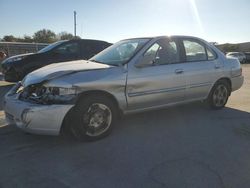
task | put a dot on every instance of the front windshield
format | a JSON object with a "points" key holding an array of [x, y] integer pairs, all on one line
{"points": [[120, 52], [51, 46]]}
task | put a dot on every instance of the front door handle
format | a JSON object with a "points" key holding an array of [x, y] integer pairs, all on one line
{"points": [[179, 71], [217, 66]]}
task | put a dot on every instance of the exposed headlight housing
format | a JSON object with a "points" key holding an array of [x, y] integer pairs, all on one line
{"points": [[49, 95], [13, 59], [62, 91]]}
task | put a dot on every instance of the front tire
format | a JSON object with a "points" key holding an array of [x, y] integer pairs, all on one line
{"points": [[12, 76], [219, 94], [93, 118]]}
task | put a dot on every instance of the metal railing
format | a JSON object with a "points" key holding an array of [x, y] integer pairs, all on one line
{"points": [[15, 48]]}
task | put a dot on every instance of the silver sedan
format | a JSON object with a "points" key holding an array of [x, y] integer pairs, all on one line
{"points": [[86, 97]]}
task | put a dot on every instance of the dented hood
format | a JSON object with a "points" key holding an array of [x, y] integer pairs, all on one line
{"points": [[57, 70]]}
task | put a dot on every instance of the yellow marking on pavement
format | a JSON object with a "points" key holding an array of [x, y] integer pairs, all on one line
{"points": [[3, 83], [2, 119], [1, 126]]}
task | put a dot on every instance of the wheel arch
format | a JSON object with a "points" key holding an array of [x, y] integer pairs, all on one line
{"points": [[64, 128], [225, 79], [100, 93]]}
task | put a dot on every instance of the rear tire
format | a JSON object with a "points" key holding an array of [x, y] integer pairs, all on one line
{"points": [[219, 94], [93, 118]]}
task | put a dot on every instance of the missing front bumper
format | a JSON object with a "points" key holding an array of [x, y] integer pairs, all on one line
{"points": [[35, 118]]}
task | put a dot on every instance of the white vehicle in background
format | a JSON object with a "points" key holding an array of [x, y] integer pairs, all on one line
{"points": [[239, 55]]}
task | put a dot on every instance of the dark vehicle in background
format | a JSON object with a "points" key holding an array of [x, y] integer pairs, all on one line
{"points": [[15, 68], [247, 54]]}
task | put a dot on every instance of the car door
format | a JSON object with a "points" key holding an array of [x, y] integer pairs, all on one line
{"points": [[202, 70], [161, 82], [66, 52]]}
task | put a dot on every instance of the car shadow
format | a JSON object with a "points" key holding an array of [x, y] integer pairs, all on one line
{"points": [[189, 116], [143, 140]]}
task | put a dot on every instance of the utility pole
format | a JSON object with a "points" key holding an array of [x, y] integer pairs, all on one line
{"points": [[75, 23]]}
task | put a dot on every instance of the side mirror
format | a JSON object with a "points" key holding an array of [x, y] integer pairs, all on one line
{"points": [[145, 61]]}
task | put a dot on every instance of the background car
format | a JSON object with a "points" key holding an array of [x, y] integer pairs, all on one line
{"points": [[241, 56], [247, 54], [17, 67]]}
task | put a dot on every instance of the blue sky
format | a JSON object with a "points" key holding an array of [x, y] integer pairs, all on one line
{"points": [[112, 20]]}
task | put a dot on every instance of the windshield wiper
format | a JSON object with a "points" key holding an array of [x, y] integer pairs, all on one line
{"points": [[95, 61]]}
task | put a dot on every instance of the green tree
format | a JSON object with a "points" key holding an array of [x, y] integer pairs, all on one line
{"points": [[229, 47], [9, 38], [27, 39], [44, 36], [24, 39], [77, 37], [65, 36]]}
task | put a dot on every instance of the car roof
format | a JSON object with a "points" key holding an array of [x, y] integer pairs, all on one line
{"points": [[166, 36], [89, 40]]}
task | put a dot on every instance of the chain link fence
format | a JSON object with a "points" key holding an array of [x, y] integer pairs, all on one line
{"points": [[16, 48]]}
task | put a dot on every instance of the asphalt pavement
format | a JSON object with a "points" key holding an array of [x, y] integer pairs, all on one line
{"points": [[189, 146]]}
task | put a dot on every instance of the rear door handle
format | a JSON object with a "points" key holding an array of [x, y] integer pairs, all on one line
{"points": [[179, 71]]}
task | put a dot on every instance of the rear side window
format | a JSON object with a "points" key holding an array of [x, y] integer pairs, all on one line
{"points": [[194, 51], [211, 55]]}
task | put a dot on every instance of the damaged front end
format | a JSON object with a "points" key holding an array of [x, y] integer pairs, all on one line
{"points": [[38, 109], [40, 94]]}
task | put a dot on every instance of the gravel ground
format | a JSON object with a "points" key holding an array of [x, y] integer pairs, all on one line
{"points": [[187, 146]]}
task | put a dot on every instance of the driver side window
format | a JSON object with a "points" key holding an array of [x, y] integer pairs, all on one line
{"points": [[164, 52], [68, 49], [153, 50]]}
